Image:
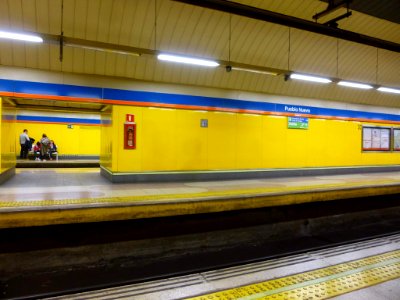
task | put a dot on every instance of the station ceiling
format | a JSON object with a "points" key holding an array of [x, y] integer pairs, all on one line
{"points": [[176, 27], [55, 104]]}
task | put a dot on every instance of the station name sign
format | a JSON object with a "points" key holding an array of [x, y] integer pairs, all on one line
{"points": [[297, 109]]}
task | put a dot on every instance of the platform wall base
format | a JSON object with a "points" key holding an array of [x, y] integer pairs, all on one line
{"points": [[7, 175], [238, 174]]}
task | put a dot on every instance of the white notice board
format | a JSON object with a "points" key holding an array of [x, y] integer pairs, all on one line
{"points": [[376, 139]]}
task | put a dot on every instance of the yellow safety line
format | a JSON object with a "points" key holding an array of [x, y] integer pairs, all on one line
{"points": [[201, 195], [321, 283]]}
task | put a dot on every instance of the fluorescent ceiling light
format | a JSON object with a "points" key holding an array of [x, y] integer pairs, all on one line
{"points": [[388, 90], [355, 85], [310, 78], [255, 71], [21, 37], [188, 60]]}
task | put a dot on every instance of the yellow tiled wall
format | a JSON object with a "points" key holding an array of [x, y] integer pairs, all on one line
{"points": [[79, 140], [172, 139]]}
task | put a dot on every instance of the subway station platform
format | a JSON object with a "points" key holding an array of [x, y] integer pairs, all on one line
{"points": [[36, 197]]}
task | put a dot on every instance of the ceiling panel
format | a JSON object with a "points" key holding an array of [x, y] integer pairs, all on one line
{"points": [[77, 24], [43, 57], [388, 68], [171, 26], [42, 16], [189, 29], [6, 54], [14, 9], [141, 34], [31, 56], [55, 64], [306, 55], [89, 61], [259, 43], [18, 54], [4, 15], [54, 16], [360, 67], [77, 60], [92, 19]]}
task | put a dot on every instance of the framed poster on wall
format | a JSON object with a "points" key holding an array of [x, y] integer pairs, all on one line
{"points": [[396, 139], [376, 139]]}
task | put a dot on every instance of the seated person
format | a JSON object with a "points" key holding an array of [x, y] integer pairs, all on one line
{"points": [[44, 149], [36, 151], [52, 148]]}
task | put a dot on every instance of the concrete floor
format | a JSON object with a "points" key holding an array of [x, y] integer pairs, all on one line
{"points": [[73, 183]]}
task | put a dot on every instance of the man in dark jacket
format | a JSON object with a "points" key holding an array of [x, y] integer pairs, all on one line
{"points": [[24, 142]]}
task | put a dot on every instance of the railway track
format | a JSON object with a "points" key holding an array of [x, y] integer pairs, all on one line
{"points": [[56, 260]]}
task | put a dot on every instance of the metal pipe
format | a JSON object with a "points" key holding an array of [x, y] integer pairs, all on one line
{"points": [[285, 20], [333, 21], [331, 8]]}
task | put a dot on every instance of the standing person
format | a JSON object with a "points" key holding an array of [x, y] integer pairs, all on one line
{"points": [[24, 142], [44, 149]]}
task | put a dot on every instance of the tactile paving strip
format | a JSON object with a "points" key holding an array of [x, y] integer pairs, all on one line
{"points": [[321, 283]]}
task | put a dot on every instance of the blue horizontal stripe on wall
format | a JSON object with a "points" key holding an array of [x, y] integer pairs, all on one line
{"points": [[6, 85], [57, 120], [153, 97], [51, 89], [114, 94]]}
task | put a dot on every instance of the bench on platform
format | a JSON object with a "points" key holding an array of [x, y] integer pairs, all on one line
{"points": [[32, 155], [54, 154]]}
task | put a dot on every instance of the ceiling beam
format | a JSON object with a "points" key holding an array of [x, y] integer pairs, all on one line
{"points": [[285, 20]]}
